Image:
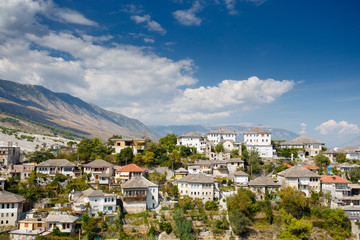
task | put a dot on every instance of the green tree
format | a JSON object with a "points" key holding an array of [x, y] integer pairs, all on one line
{"points": [[149, 158], [294, 202], [321, 160], [341, 158], [125, 156], [211, 206], [219, 148], [183, 227], [91, 149], [295, 229], [234, 153], [238, 221], [169, 142], [254, 161]]}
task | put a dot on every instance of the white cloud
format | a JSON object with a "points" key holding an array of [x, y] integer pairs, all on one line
{"points": [[149, 40], [303, 128], [188, 17], [132, 8], [257, 2], [131, 80], [341, 128], [150, 24], [230, 6], [70, 16]]}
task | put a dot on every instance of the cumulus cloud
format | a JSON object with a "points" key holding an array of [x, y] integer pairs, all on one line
{"points": [[149, 40], [341, 128], [188, 17], [128, 79], [151, 25], [303, 128], [230, 6]]}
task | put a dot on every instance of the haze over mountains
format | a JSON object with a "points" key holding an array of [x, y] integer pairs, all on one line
{"points": [[65, 111]]}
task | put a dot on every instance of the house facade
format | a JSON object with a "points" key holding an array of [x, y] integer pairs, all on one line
{"points": [[261, 185], [301, 179], [193, 140], [199, 186], [9, 154], [221, 135], [22, 171], [259, 140], [100, 170], [337, 186], [11, 207], [139, 194], [241, 179], [65, 222], [137, 145], [129, 171], [93, 201], [52, 167], [312, 147]]}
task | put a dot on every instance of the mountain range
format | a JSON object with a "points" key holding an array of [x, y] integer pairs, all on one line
{"points": [[65, 111]]}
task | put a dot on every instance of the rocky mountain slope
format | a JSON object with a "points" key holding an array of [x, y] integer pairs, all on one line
{"points": [[277, 133], [67, 112]]}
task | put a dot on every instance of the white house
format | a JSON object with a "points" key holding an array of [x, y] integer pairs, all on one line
{"points": [[262, 184], [100, 170], [241, 178], [221, 135], [129, 171], [94, 201], [337, 186], [65, 222], [11, 206], [193, 140], [350, 153], [52, 167], [139, 194], [301, 179], [312, 147], [199, 186], [259, 140]]}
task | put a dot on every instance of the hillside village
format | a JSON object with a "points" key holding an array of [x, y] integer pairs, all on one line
{"points": [[183, 187]]}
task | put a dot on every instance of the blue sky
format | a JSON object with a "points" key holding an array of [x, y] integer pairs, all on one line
{"points": [[286, 64]]}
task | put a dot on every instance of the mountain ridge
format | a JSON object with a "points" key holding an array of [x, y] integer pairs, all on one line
{"points": [[63, 110]]}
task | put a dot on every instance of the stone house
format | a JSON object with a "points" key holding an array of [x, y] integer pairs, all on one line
{"points": [[129, 171], [52, 167], [221, 135], [194, 140], [139, 194], [260, 185], [9, 155], [101, 171], [11, 208], [259, 140], [312, 147]]}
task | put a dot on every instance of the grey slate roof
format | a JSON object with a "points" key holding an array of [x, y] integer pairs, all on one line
{"points": [[235, 160], [8, 197], [138, 182], [192, 135], [263, 181], [61, 218], [241, 173], [302, 140], [222, 131], [56, 163], [98, 163], [203, 162], [257, 131], [181, 170], [298, 172], [198, 178]]}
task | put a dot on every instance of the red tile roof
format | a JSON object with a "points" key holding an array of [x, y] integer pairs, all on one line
{"points": [[287, 165], [131, 168], [333, 179], [309, 166]]}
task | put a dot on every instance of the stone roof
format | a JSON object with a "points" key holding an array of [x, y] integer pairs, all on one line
{"points": [[56, 163], [257, 131], [61, 218], [181, 170], [198, 178], [235, 160], [343, 150], [8, 197], [138, 182], [298, 172], [192, 135], [263, 181], [241, 173], [98, 163], [131, 168], [203, 162], [222, 131], [302, 140]]}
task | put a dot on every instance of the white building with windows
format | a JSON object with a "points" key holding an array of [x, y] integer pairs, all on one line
{"points": [[221, 135], [139, 194], [94, 201], [65, 222], [300, 178], [193, 140], [11, 207], [259, 140], [52, 167], [100, 170], [199, 186], [337, 186], [312, 147]]}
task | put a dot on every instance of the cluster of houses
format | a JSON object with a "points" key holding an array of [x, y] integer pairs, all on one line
{"points": [[199, 180]]}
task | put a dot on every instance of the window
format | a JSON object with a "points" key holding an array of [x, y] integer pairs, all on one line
{"points": [[39, 225], [26, 224], [12, 214]]}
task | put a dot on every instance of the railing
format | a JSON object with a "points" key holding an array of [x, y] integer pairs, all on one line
{"points": [[134, 198]]}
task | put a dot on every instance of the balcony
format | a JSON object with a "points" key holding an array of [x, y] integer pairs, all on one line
{"points": [[135, 198]]}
